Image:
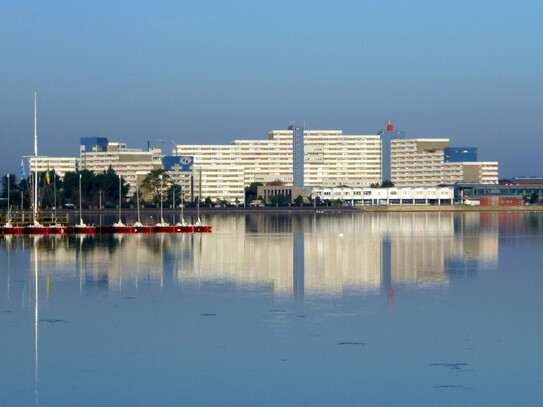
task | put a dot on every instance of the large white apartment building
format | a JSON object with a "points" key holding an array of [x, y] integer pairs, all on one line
{"points": [[61, 165], [131, 164], [417, 162], [330, 159], [422, 162]]}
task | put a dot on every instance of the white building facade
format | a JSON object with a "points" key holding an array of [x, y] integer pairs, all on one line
{"points": [[330, 159], [387, 196], [421, 162], [132, 165], [61, 165]]}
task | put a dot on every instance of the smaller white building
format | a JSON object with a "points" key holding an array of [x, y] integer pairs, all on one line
{"points": [[61, 165], [387, 196]]}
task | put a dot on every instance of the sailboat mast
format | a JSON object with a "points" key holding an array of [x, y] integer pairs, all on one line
{"points": [[138, 199], [35, 209], [8, 194], [80, 212], [35, 124], [182, 205], [161, 188], [120, 182], [55, 194]]}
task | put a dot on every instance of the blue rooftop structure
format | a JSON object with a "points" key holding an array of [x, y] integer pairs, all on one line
{"points": [[460, 154], [93, 144]]}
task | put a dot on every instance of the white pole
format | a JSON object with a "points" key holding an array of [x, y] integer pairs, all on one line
{"points": [[35, 211], [8, 190], [173, 198], [161, 186], [120, 183], [55, 194], [138, 199], [8, 217], [80, 206], [182, 205], [199, 196], [35, 124]]}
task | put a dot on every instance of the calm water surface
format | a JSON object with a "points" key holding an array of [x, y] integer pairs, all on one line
{"points": [[277, 310]]}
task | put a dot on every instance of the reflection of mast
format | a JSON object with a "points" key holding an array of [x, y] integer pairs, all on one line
{"points": [[298, 260], [8, 247], [386, 267], [298, 263], [36, 319]]}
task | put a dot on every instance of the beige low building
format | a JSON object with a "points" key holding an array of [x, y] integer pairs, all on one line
{"points": [[289, 192], [421, 162]]}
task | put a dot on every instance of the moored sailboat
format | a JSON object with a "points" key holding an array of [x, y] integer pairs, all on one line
{"points": [[56, 227], [184, 227], [138, 226], [82, 227], [163, 227], [36, 227], [119, 226], [199, 226]]}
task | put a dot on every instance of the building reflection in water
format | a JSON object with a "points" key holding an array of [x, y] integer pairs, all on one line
{"points": [[295, 256]]}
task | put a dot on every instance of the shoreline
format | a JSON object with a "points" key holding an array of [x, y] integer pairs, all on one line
{"points": [[341, 209]]}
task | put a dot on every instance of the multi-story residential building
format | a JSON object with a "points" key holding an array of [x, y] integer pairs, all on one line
{"points": [[429, 162], [478, 172], [417, 162], [131, 164], [61, 165], [330, 159]]}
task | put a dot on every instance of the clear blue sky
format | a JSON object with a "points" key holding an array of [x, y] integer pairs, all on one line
{"points": [[212, 71]]}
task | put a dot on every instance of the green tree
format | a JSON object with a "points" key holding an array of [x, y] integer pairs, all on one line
{"points": [[53, 184], [174, 191], [70, 190], [13, 190], [108, 183], [208, 202], [152, 184], [534, 198], [251, 191], [282, 200], [299, 200], [105, 184], [387, 184]]}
